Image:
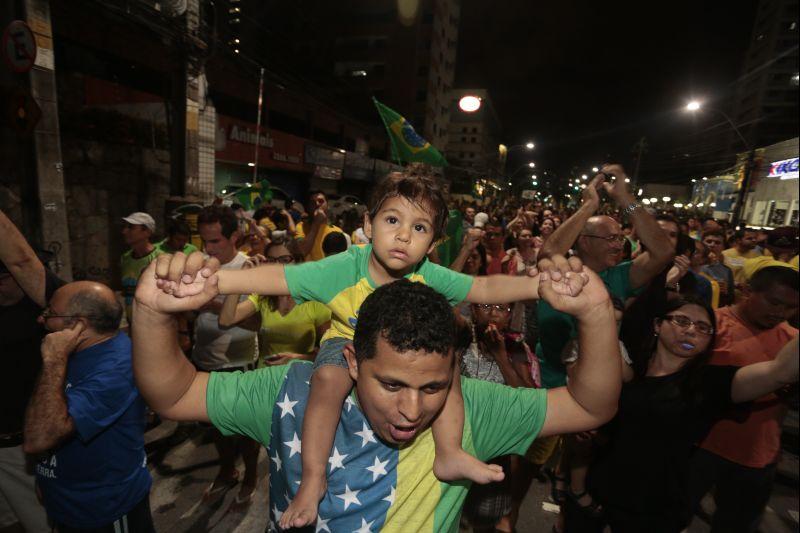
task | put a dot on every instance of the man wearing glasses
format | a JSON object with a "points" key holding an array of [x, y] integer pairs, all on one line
{"points": [[85, 418], [25, 287], [599, 242]]}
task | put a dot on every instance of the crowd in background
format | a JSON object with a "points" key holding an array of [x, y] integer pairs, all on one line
{"points": [[706, 312]]}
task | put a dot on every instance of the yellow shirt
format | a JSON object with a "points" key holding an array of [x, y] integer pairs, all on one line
{"points": [[294, 332], [735, 261], [316, 251]]}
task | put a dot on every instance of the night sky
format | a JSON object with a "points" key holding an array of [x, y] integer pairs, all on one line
{"points": [[585, 80]]}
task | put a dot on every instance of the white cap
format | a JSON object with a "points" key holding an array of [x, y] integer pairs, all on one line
{"points": [[480, 220], [141, 219]]}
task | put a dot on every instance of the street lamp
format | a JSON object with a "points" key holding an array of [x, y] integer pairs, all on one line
{"points": [[532, 164], [469, 103], [737, 212], [530, 145]]}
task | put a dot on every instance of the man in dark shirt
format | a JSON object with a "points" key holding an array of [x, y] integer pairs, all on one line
{"points": [[25, 287]]}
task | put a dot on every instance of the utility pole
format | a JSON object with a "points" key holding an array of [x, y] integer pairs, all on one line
{"points": [[641, 148]]}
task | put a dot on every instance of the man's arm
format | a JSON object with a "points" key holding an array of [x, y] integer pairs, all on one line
{"points": [[592, 395], [659, 249], [756, 380], [21, 261], [167, 380], [567, 233], [306, 244], [47, 419], [470, 242]]}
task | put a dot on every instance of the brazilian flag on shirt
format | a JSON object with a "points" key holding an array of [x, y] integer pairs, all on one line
{"points": [[407, 144], [254, 196]]}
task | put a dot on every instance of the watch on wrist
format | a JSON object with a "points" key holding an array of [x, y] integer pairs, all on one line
{"points": [[631, 208]]}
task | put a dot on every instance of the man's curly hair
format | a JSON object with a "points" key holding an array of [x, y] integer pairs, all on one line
{"points": [[409, 316]]}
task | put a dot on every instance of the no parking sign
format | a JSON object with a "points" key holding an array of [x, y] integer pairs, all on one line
{"points": [[19, 46]]}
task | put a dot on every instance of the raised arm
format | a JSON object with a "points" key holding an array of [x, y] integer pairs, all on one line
{"points": [[567, 233], [21, 261], [47, 418], [469, 243], [169, 383], [754, 381], [659, 249], [233, 311], [306, 243], [592, 396]]}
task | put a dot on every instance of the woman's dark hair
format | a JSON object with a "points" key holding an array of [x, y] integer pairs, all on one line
{"points": [[691, 384], [483, 264]]}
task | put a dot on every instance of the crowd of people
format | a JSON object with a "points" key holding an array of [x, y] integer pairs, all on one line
{"points": [[430, 357]]}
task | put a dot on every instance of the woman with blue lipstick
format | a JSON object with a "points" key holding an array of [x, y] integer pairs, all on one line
{"points": [[669, 401]]}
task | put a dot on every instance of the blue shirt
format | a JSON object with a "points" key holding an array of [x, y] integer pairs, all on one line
{"points": [[100, 472]]}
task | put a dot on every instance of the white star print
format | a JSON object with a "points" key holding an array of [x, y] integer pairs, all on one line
{"points": [[366, 434], [294, 445], [277, 460], [336, 460], [378, 468], [349, 403], [322, 525], [390, 497], [287, 406], [349, 496], [365, 527]]}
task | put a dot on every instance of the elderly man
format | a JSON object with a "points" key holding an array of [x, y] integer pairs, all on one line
{"points": [[401, 361], [86, 417], [25, 287], [598, 241]]}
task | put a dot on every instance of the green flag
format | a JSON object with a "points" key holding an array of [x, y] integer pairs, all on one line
{"points": [[450, 244], [407, 145], [254, 196]]}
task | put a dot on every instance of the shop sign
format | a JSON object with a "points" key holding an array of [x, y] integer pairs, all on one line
{"points": [[785, 169]]}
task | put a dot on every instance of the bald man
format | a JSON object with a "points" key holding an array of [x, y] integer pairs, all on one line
{"points": [[599, 242], [86, 417]]}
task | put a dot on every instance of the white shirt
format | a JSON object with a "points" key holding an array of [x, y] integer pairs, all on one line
{"points": [[216, 348]]}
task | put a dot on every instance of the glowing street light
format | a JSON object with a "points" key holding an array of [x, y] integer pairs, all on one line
{"points": [[595, 169], [653, 200], [469, 103], [694, 105], [666, 199], [584, 177], [532, 164], [530, 146]]}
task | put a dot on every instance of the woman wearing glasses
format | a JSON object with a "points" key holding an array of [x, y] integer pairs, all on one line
{"points": [[286, 330], [670, 399]]}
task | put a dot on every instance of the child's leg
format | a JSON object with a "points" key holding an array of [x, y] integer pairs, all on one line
{"points": [[452, 462], [329, 387]]}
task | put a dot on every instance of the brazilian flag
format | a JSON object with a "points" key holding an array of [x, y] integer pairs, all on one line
{"points": [[450, 244], [407, 144], [254, 196]]}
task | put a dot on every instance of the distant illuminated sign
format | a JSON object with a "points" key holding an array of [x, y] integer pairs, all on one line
{"points": [[785, 170]]}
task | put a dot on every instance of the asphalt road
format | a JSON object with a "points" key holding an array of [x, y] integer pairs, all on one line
{"points": [[183, 464]]}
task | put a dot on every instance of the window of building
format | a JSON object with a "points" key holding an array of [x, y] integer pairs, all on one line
{"points": [[463, 130], [474, 130], [474, 140], [463, 139], [461, 155], [472, 155]]}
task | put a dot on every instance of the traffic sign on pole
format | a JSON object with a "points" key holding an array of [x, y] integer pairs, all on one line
{"points": [[19, 46]]}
